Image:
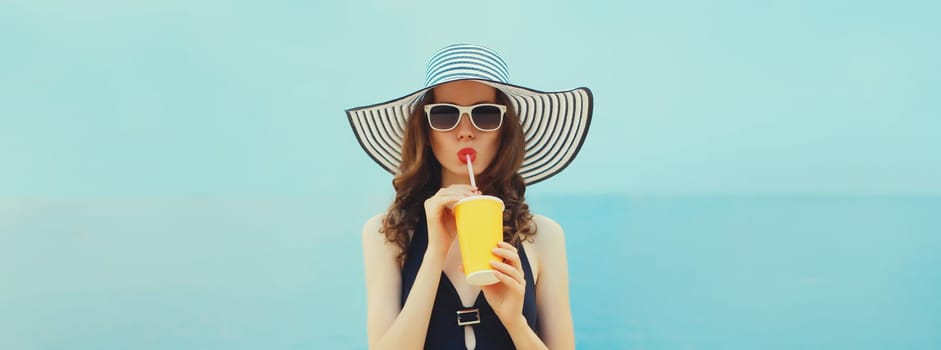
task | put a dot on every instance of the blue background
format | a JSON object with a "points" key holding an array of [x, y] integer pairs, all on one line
{"points": [[179, 174]]}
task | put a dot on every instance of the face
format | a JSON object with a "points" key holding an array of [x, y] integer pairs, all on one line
{"points": [[446, 144]]}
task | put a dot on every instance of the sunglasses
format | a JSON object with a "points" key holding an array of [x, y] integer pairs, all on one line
{"points": [[446, 117]]}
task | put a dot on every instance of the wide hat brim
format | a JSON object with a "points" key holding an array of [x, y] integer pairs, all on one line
{"points": [[554, 125]]}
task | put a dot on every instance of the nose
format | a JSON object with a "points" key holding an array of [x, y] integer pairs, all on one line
{"points": [[465, 129]]}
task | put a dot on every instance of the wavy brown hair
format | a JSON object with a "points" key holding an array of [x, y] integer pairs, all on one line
{"points": [[419, 177]]}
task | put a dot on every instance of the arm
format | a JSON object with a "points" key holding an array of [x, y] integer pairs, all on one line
{"points": [[552, 296], [388, 325], [552, 288]]}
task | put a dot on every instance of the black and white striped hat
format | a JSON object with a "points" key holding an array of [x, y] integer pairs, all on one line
{"points": [[554, 123]]}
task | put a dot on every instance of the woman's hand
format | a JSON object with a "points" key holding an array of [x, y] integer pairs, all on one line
{"points": [[441, 226], [506, 297]]}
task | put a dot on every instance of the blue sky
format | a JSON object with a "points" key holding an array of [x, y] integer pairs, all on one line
{"points": [[144, 98]]}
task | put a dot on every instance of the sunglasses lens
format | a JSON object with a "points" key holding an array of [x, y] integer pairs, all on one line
{"points": [[443, 117], [487, 117]]}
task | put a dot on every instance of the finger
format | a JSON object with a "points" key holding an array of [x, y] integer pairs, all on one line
{"points": [[509, 253], [447, 198], [460, 188], [510, 256], [512, 271], [455, 189], [518, 286], [507, 246], [453, 193], [440, 198]]}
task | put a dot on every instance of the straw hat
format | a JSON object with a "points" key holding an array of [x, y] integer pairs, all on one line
{"points": [[554, 123]]}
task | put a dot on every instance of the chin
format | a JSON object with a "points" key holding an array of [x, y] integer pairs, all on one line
{"points": [[461, 169]]}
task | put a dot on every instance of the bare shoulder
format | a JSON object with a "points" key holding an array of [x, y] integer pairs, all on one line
{"points": [[383, 279], [373, 239], [373, 225], [549, 241], [548, 230]]}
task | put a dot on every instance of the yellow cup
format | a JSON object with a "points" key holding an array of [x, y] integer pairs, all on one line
{"points": [[479, 230]]}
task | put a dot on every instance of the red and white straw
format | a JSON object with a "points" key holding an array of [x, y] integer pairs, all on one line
{"points": [[470, 171]]}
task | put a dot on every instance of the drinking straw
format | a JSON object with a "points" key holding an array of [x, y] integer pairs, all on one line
{"points": [[470, 171]]}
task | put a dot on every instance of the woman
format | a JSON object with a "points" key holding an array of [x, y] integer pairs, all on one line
{"points": [[417, 296]]}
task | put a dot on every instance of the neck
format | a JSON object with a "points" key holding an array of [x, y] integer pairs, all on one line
{"points": [[449, 178]]}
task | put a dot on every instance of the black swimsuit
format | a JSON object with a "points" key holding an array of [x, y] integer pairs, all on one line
{"points": [[449, 316]]}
